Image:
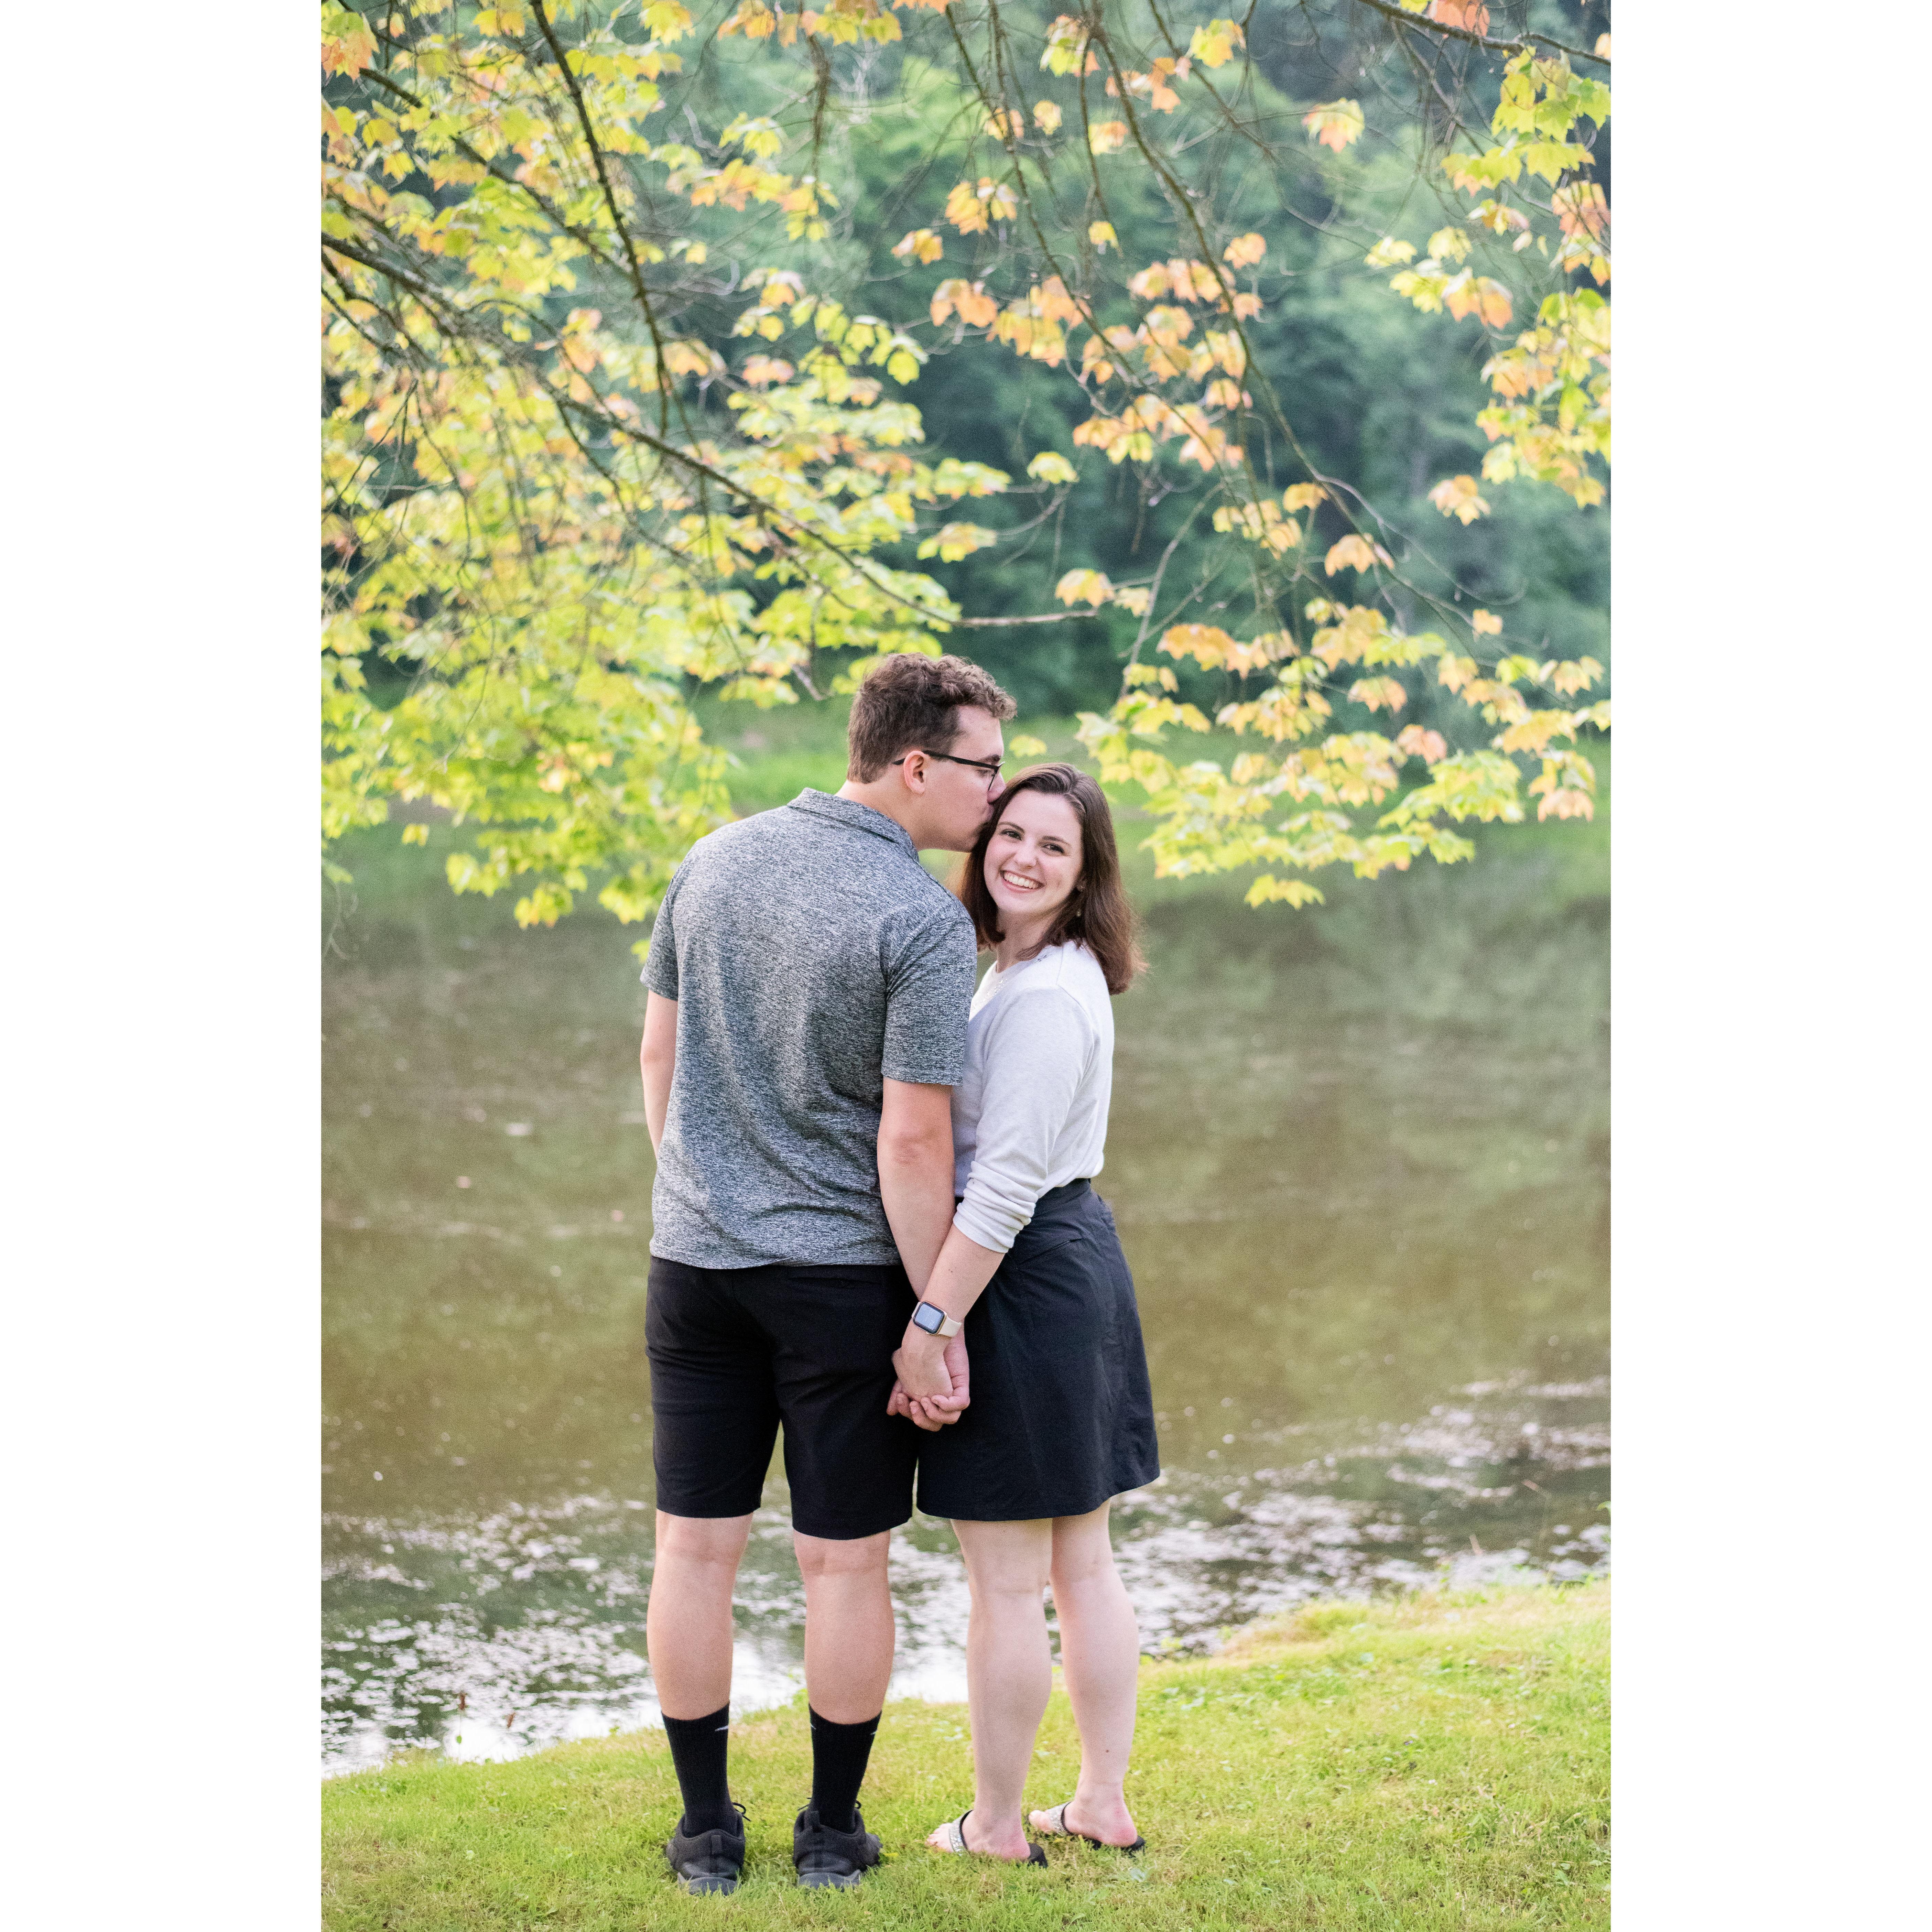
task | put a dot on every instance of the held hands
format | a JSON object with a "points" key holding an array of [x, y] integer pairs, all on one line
{"points": [[933, 1384]]}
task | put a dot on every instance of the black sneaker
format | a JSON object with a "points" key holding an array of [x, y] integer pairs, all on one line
{"points": [[826, 1857], [712, 1860]]}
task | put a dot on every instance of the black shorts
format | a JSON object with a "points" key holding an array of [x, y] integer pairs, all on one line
{"points": [[734, 1352]]}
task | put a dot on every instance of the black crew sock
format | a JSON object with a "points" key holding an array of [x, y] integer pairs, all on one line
{"points": [[697, 1748], [839, 1753]]}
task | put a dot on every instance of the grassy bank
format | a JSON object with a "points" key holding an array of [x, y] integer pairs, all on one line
{"points": [[1436, 1762]]}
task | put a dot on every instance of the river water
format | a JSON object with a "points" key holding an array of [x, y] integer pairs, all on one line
{"points": [[1358, 1157]]}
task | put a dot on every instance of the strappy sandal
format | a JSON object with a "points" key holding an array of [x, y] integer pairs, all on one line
{"points": [[955, 1829], [1060, 1828]]}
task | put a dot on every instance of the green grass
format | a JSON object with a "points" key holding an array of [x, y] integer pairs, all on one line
{"points": [[1435, 1761]]}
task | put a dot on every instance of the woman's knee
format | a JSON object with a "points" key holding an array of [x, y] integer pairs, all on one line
{"points": [[1007, 1561], [1083, 1552]]}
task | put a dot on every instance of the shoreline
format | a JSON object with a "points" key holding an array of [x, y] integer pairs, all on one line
{"points": [[1436, 1759]]}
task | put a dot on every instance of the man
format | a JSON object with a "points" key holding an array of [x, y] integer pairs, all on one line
{"points": [[809, 987]]}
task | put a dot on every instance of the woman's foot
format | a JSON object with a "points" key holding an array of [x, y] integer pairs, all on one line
{"points": [[1009, 1843], [1106, 1822]]}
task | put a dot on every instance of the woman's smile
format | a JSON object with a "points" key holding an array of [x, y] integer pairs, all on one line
{"points": [[1033, 863]]}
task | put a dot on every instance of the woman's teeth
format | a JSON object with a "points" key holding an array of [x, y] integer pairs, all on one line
{"points": [[1016, 882]]}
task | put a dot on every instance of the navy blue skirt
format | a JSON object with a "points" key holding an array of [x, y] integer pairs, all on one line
{"points": [[1062, 1416]]}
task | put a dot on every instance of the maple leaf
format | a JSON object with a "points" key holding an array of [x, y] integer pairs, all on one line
{"points": [[348, 45], [764, 370], [1456, 496], [1472, 15], [1100, 233], [977, 308], [922, 243], [1388, 252], [1376, 692], [1304, 496], [1050, 466], [1485, 624], [1335, 124], [1244, 249], [1416, 742], [1105, 137], [1091, 585], [1214, 44], [1354, 553], [1046, 117], [1206, 642], [956, 540]]}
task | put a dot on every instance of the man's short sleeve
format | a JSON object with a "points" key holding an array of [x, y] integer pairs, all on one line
{"points": [[928, 999], [660, 973]]}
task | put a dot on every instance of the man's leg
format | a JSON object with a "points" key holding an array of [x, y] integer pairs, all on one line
{"points": [[688, 1631], [848, 1662]]}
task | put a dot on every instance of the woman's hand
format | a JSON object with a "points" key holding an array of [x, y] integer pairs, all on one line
{"points": [[934, 1380]]}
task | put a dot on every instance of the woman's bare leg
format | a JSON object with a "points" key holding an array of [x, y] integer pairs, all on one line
{"points": [[1008, 1672], [1099, 1654]]}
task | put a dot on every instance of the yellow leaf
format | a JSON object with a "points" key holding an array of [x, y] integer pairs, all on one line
{"points": [[1206, 642], [1376, 692], [922, 243], [1291, 892], [1485, 624], [1046, 117], [1106, 136], [1335, 124], [1050, 466], [1354, 553], [1388, 252], [1101, 233], [1244, 249], [1456, 496], [1026, 746], [1214, 44], [1091, 586], [667, 19], [1303, 496]]}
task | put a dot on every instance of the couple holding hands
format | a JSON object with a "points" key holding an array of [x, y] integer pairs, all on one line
{"points": [[874, 1227]]}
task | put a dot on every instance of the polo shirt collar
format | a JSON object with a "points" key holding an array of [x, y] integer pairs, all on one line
{"points": [[848, 811]]}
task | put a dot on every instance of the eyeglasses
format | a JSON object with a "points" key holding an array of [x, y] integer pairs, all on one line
{"points": [[989, 767]]}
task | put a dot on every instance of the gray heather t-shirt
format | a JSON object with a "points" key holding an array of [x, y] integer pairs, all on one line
{"points": [[812, 957]]}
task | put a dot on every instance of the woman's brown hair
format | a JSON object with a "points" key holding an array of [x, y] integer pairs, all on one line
{"points": [[1097, 914]]}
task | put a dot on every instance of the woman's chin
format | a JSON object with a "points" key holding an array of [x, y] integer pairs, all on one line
{"points": [[1019, 905]]}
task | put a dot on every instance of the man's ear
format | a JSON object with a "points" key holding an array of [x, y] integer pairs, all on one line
{"points": [[913, 771]]}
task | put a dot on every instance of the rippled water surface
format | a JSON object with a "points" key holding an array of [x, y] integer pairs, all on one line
{"points": [[1358, 1157]]}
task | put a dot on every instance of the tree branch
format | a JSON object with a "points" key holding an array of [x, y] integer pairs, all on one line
{"points": [[1516, 46]]}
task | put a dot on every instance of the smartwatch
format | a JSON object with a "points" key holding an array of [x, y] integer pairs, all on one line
{"points": [[934, 1321]]}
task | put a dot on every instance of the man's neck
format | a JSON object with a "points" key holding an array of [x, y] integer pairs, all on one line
{"points": [[890, 799]]}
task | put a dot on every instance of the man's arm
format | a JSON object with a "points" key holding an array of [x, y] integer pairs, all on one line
{"points": [[657, 1060], [915, 1172], [915, 1150]]}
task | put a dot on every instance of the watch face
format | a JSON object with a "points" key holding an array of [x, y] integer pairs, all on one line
{"points": [[927, 1319]]}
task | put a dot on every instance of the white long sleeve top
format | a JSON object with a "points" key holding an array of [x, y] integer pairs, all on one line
{"points": [[1030, 1113]]}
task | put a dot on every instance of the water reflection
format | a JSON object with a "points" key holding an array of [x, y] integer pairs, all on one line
{"points": [[1357, 1159]]}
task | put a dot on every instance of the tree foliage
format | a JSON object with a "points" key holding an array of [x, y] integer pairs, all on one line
{"points": [[619, 355]]}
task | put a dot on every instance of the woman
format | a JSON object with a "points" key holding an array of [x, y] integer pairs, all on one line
{"points": [[1060, 1420]]}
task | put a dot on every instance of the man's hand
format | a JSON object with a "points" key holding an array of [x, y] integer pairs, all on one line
{"points": [[934, 1383]]}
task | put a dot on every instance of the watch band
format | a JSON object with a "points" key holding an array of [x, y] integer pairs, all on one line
{"points": [[935, 1320]]}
